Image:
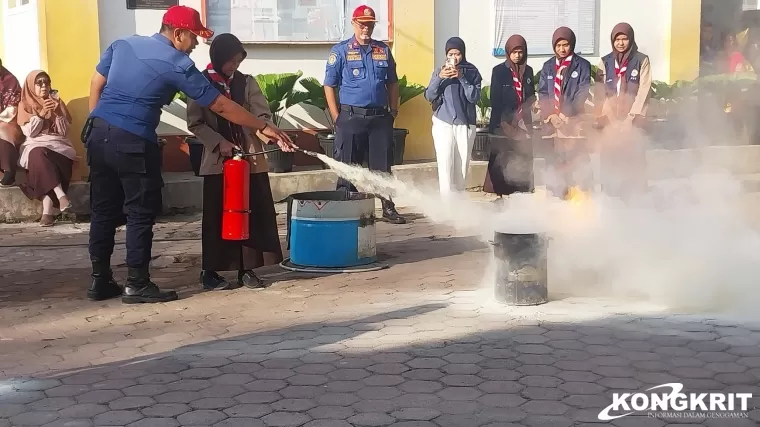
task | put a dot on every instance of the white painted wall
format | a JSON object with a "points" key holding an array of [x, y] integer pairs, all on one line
{"points": [[116, 22], [473, 21], [21, 23]]}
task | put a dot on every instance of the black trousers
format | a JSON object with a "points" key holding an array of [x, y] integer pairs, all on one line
{"points": [[125, 180], [358, 136], [568, 164]]}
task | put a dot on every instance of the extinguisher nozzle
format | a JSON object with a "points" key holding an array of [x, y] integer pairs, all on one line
{"points": [[307, 152]]}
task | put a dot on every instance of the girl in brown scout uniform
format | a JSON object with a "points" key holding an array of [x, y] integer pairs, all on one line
{"points": [[621, 97], [220, 138]]}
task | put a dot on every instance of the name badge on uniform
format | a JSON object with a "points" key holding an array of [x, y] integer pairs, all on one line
{"points": [[353, 55], [379, 54], [574, 75]]}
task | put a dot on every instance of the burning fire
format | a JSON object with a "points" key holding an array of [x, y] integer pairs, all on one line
{"points": [[576, 195]]}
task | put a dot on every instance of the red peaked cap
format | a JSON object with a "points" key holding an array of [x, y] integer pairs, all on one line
{"points": [[364, 13], [187, 18]]}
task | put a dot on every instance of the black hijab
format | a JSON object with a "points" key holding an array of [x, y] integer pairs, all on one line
{"points": [[223, 48], [469, 72]]}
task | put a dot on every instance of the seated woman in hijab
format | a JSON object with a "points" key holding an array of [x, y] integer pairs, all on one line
{"points": [[510, 164], [454, 91], [563, 89], [10, 134], [220, 138], [47, 153]]}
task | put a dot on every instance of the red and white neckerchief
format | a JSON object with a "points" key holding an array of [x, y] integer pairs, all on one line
{"points": [[219, 79], [559, 68], [619, 73], [519, 91]]}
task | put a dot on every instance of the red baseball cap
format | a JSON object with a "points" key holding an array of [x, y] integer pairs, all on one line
{"points": [[364, 13], [187, 18]]}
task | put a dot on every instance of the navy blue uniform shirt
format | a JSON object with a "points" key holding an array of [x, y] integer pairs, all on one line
{"points": [[361, 73], [143, 74], [576, 86]]}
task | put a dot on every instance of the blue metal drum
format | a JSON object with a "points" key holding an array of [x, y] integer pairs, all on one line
{"points": [[331, 229]]}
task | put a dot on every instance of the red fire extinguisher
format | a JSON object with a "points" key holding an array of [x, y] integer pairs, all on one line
{"points": [[235, 211]]}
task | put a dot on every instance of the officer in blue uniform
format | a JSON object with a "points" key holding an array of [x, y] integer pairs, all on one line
{"points": [[361, 75], [136, 76]]}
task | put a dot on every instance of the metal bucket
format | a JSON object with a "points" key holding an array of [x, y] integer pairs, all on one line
{"points": [[331, 229], [521, 268]]}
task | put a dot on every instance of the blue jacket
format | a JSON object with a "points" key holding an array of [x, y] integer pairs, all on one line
{"points": [[632, 74], [449, 96], [504, 96], [575, 91]]}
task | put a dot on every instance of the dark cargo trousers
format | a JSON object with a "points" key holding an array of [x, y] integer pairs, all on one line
{"points": [[125, 182]]}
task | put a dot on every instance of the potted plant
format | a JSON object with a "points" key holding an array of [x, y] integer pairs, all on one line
{"points": [[407, 92], [481, 148], [279, 91], [178, 146], [315, 96]]}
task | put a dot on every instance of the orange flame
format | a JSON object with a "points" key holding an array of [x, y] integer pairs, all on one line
{"points": [[576, 195]]}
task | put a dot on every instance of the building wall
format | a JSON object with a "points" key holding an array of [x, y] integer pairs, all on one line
{"points": [[20, 38], [667, 30], [117, 21], [71, 76]]}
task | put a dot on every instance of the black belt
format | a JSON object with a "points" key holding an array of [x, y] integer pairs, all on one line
{"points": [[364, 111]]}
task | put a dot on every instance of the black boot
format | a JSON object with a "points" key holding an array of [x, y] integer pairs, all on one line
{"points": [[103, 285], [140, 289], [9, 178], [391, 214], [212, 280], [249, 279]]}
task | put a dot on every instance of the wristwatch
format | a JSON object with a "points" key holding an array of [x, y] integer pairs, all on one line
{"points": [[264, 127]]}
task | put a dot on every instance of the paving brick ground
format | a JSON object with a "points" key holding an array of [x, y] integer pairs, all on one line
{"points": [[418, 344]]}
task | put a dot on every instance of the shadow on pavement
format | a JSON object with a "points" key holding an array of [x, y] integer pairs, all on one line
{"points": [[427, 365], [22, 287], [419, 249]]}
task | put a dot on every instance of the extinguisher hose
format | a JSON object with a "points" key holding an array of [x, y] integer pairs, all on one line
{"points": [[237, 153]]}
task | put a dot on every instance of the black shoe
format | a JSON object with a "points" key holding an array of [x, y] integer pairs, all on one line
{"points": [[9, 178], [141, 290], [391, 214], [250, 280], [103, 287], [212, 280]]}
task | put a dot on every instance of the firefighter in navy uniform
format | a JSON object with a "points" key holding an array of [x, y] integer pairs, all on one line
{"points": [[135, 77], [361, 75]]}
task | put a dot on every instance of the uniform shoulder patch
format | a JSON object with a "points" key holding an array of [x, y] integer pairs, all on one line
{"points": [[332, 58]]}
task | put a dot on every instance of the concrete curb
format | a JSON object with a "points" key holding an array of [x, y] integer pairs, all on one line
{"points": [[183, 191]]}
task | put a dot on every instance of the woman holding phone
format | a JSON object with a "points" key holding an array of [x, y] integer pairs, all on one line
{"points": [[454, 91], [47, 153]]}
